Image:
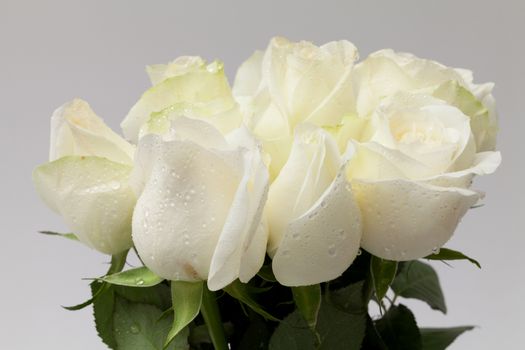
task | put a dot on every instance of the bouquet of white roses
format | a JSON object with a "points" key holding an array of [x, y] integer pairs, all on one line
{"points": [[271, 215]]}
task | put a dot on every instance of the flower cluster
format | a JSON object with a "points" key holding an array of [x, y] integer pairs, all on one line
{"points": [[309, 158]]}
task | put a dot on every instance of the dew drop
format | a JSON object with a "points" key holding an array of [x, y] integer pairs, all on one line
{"points": [[435, 250], [115, 185], [323, 204], [139, 282], [135, 328], [359, 252], [295, 235], [332, 250]]}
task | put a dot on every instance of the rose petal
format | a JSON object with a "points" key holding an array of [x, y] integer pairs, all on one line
{"points": [[405, 220], [77, 130], [200, 86], [243, 220], [93, 196], [202, 203], [314, 221], [180, 214], [322, 243], [181, 65]]}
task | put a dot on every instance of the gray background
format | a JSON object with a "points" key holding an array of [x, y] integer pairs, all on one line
{"points": [[52, 51]]}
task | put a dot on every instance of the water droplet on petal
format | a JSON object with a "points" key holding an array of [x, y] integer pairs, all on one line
{"points": [[115, 185], [359, 252], [435, 250], [332, 250]]}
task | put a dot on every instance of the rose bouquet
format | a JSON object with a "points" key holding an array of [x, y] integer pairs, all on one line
{"points": [[273, 214]]}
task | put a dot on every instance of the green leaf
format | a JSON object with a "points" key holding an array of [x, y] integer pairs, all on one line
{"points": [[350, 299], [441, 338], [398, 329], [383, 273], [336, 330], [372, 338], [200, 334], [186, 298], [159, 295], [340, 330], [139, 277], [70, 236], [117, 264], [137, 327], [308, 301], [449, 254], [418, 280], [103, 307], [257, 335], [241, 292], [293, 333]]}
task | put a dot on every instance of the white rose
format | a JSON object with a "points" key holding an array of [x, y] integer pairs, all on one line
{"points": [[411, 177], [199, 215], [188, 86], [292, 83], [386, 72], [86, 180], [314, 221]]}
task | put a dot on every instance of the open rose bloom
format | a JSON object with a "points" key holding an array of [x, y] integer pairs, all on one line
{"points": [[310, 159]]}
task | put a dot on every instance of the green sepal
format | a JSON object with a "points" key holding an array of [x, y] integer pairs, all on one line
{"points": [[383, 273], [117, 264], [70, 236], [266, 273], [138, 277], [308, 301], [449, 254], [241, 292], [186, 298]]}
